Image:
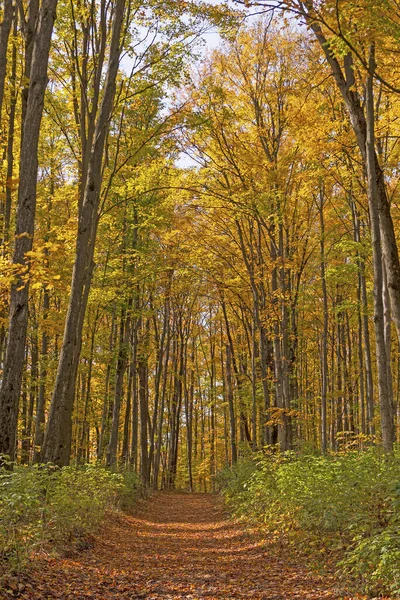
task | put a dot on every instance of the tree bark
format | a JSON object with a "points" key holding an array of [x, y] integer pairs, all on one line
{"points": [[40, 416], [325, 330], [119, 381], [57, 442], [5, 29], [143, 408], [229, 391], [386, 402], [18, 319]]}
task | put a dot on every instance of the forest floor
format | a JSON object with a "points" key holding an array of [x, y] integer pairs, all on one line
{"points": [[175, 546]]}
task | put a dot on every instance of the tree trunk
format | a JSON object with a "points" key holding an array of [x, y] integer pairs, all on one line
{"points": [[325, 331], [119, 382], [157, 457], [386, 402], [143, 407], [135, 400], [57, 442], [345, 81], [229, 391], [10, 137], [18, 320], [5, 29], [40, 417]]}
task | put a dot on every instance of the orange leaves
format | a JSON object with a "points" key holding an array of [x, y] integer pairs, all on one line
{"points": [[177, 546], [277, 415]]}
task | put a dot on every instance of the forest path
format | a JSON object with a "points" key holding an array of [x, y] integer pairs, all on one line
{"points": [[177, 546]]}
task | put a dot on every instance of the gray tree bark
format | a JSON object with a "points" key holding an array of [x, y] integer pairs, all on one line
{"points": [[5, 29], [124, 333], [385, 399], [57, 442], [325, 331], [25, 222]]}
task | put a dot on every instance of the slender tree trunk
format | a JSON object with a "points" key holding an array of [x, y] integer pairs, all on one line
{"points": [[57, 442], [254, 386], [40, 416], [33, 388], [143, 405], [135, 397], [85, 433], [364, 346], [127, 420], [325, 330], [386, 402], [106, 398], [189, 398], [157, 388], [119, 383], [10, 137], [238, 377], [5, 29], [157, 457], [229, 390], [387, 321], [18, 319]]}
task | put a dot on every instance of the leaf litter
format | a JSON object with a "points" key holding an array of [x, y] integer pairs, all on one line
{"points": [[174, 546]]}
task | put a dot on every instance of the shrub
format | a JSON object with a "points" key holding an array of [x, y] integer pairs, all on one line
{"points": [[46, 505], [350, 501], [130, 489]]}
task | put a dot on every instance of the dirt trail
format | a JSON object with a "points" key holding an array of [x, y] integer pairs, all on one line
{"points": [[177, 546]]}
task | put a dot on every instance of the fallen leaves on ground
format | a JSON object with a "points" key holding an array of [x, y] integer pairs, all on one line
{"points": [[175, 546]]}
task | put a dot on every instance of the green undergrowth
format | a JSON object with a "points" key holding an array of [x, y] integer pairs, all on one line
{"points": [[345, 506], [44, 507]]}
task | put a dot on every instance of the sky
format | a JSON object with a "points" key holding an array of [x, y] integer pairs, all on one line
{"points": [[212, 40]]}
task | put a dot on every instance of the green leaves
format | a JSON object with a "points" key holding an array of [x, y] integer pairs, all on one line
{"points": [[43, 505], [349, 502]]}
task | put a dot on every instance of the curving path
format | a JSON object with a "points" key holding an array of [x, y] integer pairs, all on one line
{"points": [[177, 546]]}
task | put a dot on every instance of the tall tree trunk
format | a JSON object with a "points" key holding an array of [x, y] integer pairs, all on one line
{"points": [[57, 442], [33, 388], [189, 398], [238, 376], [119, 383], [385, 400], [85, 432], [106, 399], [362, 127], [144, 408], [5, 29], [127, 420], [157, 386], [157, 457], [364, 348], [325, 330], [18, 319], [10, 136], [40, 416], [229, 391], [135, 399]]}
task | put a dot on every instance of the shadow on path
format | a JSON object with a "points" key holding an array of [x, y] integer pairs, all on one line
{"points": [[178, 546]]}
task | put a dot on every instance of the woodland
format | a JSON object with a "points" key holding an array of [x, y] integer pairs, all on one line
{"points": [[200, 283]]}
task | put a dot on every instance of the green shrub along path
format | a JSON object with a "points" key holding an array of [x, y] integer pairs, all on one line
{"points": [[175, 546], [289, 525], [343, 509], [45, 509]]}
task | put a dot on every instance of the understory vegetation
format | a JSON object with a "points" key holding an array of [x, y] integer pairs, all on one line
{"points": [[57, 510], [199, 259], [343, 508]]}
